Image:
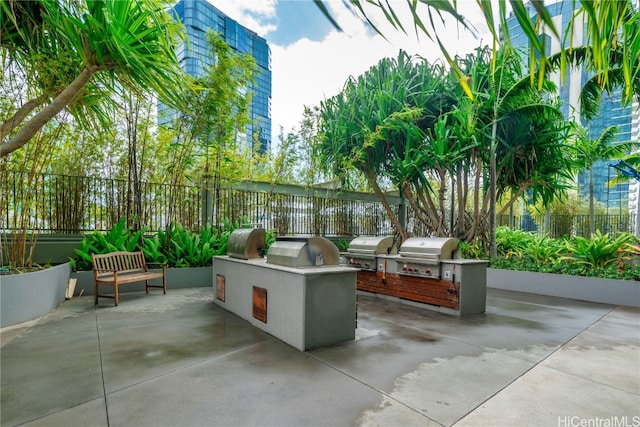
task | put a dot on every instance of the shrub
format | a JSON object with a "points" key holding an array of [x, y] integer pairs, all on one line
{"points": [[599, 251], [119, 238], [600, 256], [174, 246]]}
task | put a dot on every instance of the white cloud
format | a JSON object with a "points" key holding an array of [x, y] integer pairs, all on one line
{"points": [[252, 14]]}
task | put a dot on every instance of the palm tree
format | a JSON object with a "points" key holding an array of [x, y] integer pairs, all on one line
{"points": [[372, 117], [589, 150], [409, 122], [520, 126], [609, 24], [74, 54], [627, 169], [592, 90]]}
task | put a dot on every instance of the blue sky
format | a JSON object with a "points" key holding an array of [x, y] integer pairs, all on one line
{"points": [[311, 60], [296, 19]]}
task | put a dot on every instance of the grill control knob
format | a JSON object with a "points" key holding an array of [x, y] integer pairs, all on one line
{"points": [[404, 267], [427, 271], [366, 264]]}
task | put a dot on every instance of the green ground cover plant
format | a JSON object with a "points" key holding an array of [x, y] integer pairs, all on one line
{"points": [[602, 255], [175, 246]]}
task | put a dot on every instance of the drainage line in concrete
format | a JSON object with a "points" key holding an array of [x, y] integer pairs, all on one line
{"points": [[104, 387]]}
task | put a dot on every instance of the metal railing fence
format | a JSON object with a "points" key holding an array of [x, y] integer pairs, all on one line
{"points": [[557, 226], [64, 204], [49, 203]]}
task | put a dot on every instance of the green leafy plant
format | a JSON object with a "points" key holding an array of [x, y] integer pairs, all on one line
{"points": [[175, 246], [600, 256], [512, 243], [184, 248], [153, 249], [269, 238], [473, 250], [600, 251], [343, 245], [119, 238], [543, 250]]}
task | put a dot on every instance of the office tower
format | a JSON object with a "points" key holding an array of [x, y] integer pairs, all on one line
{"points": [[198, 16]]}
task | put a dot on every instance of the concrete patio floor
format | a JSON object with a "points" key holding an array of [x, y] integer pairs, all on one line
{"points": [[180, 360]]}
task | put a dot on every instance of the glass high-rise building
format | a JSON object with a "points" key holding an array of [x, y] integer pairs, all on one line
{"points": [[612, 112], [198, 16]]}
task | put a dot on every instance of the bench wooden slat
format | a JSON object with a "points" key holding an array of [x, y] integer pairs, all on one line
{"points": [[120, 267], [129, 277]]}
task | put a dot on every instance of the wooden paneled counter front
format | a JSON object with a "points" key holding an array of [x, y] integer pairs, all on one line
{"points": [[421, 289], [465, 295]]}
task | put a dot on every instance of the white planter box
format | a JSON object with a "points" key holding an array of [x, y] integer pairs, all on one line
{"points": [[607, 291], [27, 296]]}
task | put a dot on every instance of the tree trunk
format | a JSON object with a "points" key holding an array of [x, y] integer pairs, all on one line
{"points": [[407, 194], [473, 230], [10, 124], [392, 215], [592, 219], [134, 205], [36, 123], [430, 208], [493, 250]]}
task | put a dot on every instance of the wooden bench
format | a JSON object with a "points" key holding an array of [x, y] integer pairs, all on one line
{"points": [[116, 268]]}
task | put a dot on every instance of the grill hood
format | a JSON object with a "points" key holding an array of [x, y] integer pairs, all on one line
{"points": [[372, 245], [430, 247], [246, 243], [303, 252]]}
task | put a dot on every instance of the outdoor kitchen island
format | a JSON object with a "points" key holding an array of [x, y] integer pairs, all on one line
{"points": [[427, 271], [299, 294]]}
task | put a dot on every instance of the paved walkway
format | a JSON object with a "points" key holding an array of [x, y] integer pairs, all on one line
{"points": [[180, 360]]}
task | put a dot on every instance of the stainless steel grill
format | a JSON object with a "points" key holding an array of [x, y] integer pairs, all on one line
{"points": [[246, 243], [422, 256], [363, 252], [299, 252]]}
